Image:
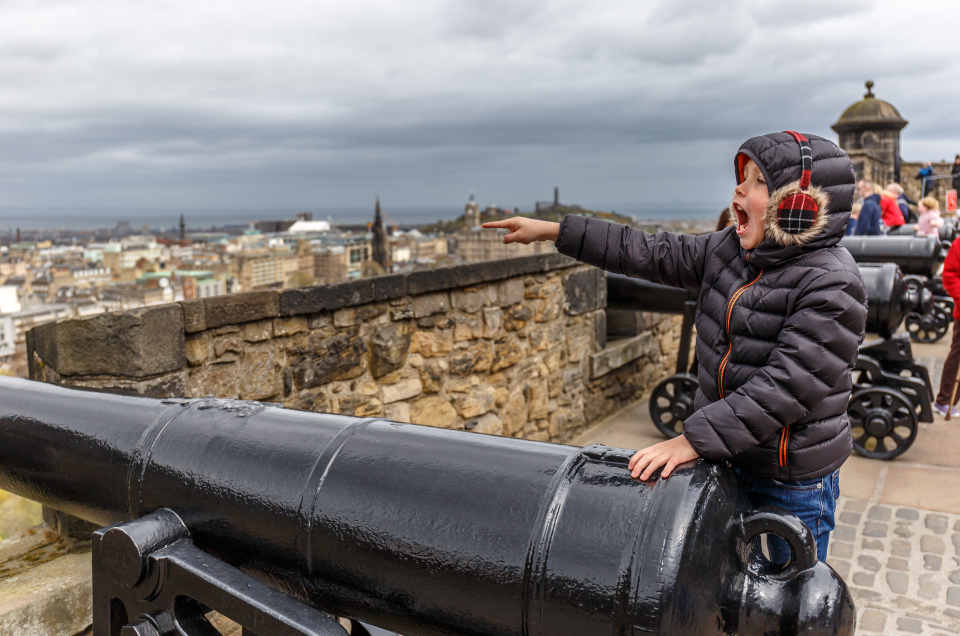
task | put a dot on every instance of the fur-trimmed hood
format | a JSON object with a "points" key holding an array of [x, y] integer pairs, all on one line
{"points": [[832, 186]]}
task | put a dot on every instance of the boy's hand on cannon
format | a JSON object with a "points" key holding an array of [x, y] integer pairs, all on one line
{"points": [[669, 454], [526, 231]]}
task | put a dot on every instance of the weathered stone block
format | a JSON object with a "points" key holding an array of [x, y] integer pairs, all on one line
{"points": [[257, 331], [194, 317], [431, 280], [52, 598], [492, 321], [471, 299], [430, 344], [261, 373], [317, 298], [431, 304], [136, 343], [431, 377], [389, 287], [233, 309], [389, 347], [289, 326], [398, 412], [433, 411], [339, 357], [440, 321], [221, 380], [507, 352], [197, 350], [510, 292], [477, 357], [537, 401], [620, 353], [488, 424], [586, 290], [517, 317], [514, 413], [558, 423], [477, 402], [402, 390], [467, 329]]}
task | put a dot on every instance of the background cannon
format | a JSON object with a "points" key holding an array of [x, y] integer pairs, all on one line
{"points": [[893, 394], [947, 232], [671, 401], [420, 530], [921, 259]]}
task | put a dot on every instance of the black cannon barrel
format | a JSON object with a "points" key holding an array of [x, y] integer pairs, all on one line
{"points": [[921, 256], [422, 530], [624, 292], [888, 298], [947, 231]]}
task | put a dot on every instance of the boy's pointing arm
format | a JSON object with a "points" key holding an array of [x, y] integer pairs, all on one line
{"points": [[666, 258]]}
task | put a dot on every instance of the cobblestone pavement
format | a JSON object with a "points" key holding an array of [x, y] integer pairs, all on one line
{"points": [[902, 566]]}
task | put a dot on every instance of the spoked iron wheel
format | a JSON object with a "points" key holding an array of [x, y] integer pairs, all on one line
{"points": [[929, 327], [883, 422], [672, 402]]}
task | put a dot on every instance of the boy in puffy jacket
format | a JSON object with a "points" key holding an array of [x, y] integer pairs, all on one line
{"points": [[780, 316]]}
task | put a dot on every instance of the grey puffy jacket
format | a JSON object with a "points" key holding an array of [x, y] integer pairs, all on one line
{"points": [[778, 326]]}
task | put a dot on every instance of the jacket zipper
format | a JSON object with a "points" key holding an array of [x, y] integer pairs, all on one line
{"points": [[784, 438], [733, 301]]}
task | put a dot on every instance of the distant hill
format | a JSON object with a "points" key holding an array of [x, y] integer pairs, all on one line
{"points": [[549, 214]]}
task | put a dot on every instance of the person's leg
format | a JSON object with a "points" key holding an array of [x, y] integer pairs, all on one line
{"points": [[814, 501], [950, 366]]}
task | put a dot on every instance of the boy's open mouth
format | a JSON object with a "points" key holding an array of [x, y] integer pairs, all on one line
{"points": [[742, 219]]}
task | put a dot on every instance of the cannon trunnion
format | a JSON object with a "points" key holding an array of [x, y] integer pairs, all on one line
{"points": [[420, 530]]}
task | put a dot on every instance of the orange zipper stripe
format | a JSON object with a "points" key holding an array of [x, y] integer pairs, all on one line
{"points": [[784, 438], [733, 301]]}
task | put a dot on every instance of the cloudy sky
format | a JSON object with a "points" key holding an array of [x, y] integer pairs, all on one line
{"points": [[294, 104]]}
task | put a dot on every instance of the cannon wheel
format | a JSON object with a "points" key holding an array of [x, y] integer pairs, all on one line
{"points": [[672, 402], [883, 422], [930, 327]]}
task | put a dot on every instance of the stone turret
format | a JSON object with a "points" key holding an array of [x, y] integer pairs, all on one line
{"points": [[869, 132], [379, 239]]}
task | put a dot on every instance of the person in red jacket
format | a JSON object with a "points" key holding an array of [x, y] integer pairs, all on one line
{"points": [[951, 282], [891, 213]]}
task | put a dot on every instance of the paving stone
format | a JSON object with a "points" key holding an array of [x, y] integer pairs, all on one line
{"points": [[895, 563], [929, 586], [873, 621], [952, 613], [872, 544], [900, 548], [866, 579], [953, 595], [879, 513], [898, 582], [955, 577], [855, 505], [841, 549], [932, 562], [844, 533], [842, 567], [874, 529], [937, 523], [869, 563], [850, 517], [903, 531], [910, 625], [908, 513], [956, 526], [956, 542], [932, 544], [865, 596]]}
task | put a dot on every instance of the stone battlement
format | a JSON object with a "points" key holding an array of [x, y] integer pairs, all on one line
{"points": [[514, 347]]}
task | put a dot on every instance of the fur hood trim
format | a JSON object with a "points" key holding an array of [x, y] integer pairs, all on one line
{"points": [[770, 217]]}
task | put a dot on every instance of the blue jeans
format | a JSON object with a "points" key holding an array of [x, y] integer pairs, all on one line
{"points": [[813, 500]]}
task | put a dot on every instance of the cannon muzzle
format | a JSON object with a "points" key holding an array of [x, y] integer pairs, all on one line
{"points": [[921, 256], [890, 299], [420, 530], [624, 292]]}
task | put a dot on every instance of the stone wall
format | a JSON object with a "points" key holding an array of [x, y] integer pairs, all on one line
{"points": [[515, 347]]}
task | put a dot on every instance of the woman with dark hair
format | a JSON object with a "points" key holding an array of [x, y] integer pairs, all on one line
{"points": [[724, 221]]}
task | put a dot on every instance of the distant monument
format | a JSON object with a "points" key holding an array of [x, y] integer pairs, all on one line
{"points": [[183, 228], [869, 132], [471, 213], [379, 239]]}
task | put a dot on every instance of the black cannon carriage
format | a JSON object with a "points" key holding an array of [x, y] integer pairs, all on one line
{"points": [[269, 515], [892, 393], [920, 259]]}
